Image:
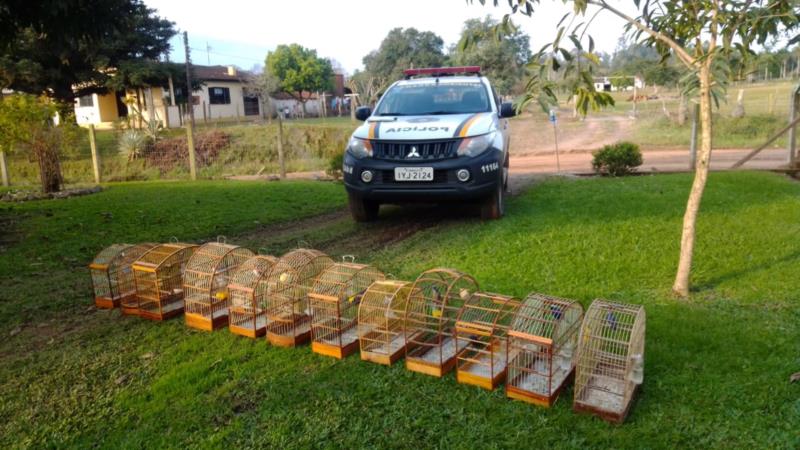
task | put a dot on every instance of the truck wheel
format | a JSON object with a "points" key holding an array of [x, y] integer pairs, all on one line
{"points": [[494, 207], [363, 210]]}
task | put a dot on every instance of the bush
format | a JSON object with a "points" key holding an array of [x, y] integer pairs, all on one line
{"points": [[617, 159], [335, 165]]}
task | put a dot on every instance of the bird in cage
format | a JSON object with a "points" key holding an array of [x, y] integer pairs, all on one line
{"points": [[611, 320], [555, 310]]}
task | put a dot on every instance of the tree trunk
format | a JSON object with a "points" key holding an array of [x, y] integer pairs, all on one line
{"points": [[45, 149], [681, 286]]}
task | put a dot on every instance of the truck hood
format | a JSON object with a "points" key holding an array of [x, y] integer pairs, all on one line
{"points": [[415, 128]]}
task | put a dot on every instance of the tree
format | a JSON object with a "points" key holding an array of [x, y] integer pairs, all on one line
{"points": [[69, 48], [502, 60], [300, 71], [26, 124], [701, 34], [402, 49], [368, 87], [631, 59]]}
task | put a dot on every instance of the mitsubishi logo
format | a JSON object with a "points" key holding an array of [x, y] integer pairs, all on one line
{"points": [[413, 153]]}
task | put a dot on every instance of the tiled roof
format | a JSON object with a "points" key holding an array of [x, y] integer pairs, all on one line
{"points": [[219, 73]]}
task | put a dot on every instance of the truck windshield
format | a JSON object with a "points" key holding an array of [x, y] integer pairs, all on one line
{"points": [[434, 98]]}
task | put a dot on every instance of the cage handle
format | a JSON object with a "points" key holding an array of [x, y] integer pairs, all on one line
{"points": [[302, 244], [174, 239], [222, 239], [348, 258], [263, 251], [390, 276]]}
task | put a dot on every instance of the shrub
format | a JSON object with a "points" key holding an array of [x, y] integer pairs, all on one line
{"points": [[617, 159], [132, 144], [335, 165]]}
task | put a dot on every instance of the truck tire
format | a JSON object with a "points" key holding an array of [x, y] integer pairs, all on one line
{"points": [[494, 207], [363, 210]]}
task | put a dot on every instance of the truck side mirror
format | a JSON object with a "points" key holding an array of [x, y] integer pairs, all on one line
{"points": [[507, 110], [363, 112]]}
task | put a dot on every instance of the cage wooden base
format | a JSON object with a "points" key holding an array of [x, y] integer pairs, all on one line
{"points": [[539, 399], [205, 323], [334, 350], [129, 310], [282, 340], [608, 416], [106, 302], [247, 331], [171, 311], [433, 369], [463, 376], [383, 358]]}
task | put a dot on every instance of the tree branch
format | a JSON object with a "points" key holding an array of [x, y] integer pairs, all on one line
{"points": [[679, 51]]}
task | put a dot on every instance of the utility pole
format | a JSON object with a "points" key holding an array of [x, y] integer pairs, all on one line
{"points": [[208, 53], [190, 105]]}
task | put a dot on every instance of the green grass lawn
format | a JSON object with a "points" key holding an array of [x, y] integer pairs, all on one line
{"points": [[717, 366]]}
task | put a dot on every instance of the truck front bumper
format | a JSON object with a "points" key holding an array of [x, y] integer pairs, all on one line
{"points": [[486, 172]]}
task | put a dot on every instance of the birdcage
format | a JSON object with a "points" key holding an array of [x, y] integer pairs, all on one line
{"points": [[610, 359], [437, 297], [112, 276], [482, 330], [159, 280], [334, 301], [283, 294], [380, 321], [205, 283], [541, 344], [247, 318]]}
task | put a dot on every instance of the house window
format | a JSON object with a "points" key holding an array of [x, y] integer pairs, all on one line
{"points": [[86, 100], [219, 96]]}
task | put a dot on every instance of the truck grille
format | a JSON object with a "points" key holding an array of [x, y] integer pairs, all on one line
{"points": [[429, 150]]}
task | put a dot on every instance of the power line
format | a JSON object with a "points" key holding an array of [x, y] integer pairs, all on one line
{"points": [[227, 55]]}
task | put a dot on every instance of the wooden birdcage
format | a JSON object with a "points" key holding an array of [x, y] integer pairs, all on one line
{"points": [[159, 280], [380, 321], [283, 294], [541, 344], [430, 319], [610, 365], [205, 283], [247, 318], [482, 331], [112, 276], [334, 301]]}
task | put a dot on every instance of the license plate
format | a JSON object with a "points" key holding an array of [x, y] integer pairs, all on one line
{"points": [[413, 173]]}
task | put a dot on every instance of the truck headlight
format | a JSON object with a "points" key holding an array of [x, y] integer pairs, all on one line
{"points": [[474, 146], [360, 148]]}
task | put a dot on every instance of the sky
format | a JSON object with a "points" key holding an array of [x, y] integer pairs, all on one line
{"points": [[241, 32]]}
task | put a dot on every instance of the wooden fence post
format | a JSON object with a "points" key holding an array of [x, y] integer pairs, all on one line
{"points": [[794, 109], [4, 169], [190, 125], [281, 161], [95, 157]]}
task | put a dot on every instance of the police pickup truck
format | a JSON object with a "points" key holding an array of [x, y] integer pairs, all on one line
{"points": [[439, 135]]}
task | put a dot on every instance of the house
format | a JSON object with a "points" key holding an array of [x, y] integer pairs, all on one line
{"points": [[223, 94], [605, 84]]}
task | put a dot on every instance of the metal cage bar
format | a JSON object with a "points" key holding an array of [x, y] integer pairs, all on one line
{"points": [[437, 297], [158, 274], [380, 321], [205, 283], [482, 329], [610, 360], [283, 294], [541, 345], [334, 300], [246, 317]]}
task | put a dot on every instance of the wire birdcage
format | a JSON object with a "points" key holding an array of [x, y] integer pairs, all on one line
{"points": [[205, 282], [610, 365], [380, 321], [159, 280], [482, 330], [436, 299], [541, 344], [334, 301], [247, 318], [112, 276], [283, 294]]}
